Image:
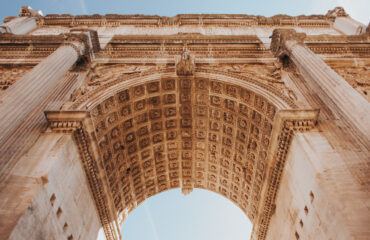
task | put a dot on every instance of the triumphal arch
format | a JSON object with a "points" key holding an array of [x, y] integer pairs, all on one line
{"points": [[98, 113]]}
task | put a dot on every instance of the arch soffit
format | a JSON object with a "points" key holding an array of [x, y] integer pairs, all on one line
{"points": [[80, 124]]}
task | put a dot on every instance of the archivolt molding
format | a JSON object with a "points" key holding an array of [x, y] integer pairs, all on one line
{"points": [[100, 87]]}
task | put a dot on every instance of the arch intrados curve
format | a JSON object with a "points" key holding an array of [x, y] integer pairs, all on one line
{"points": [[122, 221]]}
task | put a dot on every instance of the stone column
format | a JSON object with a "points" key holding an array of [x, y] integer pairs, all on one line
{"points": [[28, 92], [349, 26], [331, 88], [23, 24], [344, 23]]}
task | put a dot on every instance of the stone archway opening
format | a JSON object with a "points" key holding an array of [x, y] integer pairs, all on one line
{"points": [[158, 132], [184, 132]]}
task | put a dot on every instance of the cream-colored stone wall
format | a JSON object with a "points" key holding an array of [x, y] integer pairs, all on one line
{"points": [[304, 207], [60, 206], [323, 193]]}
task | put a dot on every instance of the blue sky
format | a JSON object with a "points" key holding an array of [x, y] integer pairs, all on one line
{"points": [[358, 9], [202, 214]]}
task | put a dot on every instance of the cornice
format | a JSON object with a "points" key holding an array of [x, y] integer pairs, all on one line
{"points": [[12, 46], [343, 45], [204, 20], [32, 48], [220, 20]]}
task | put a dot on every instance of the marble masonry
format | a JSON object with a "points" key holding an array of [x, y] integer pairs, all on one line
{"points": [[99, 113]]}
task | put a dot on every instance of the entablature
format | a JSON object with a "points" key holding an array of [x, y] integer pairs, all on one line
{"points": [[33, 48]]}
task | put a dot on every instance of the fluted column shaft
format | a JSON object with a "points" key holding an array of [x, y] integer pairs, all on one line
{"points": [[349, 26], [27, 93], [329, 86], [19, 25]]}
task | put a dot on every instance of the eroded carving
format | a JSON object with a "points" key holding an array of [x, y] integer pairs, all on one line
{"points": [[10, 74]]}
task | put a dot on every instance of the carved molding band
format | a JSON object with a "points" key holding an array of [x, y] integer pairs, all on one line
{"points": [[287, 122]]}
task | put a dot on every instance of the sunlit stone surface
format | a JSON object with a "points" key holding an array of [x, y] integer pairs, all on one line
{"points": [[99, 113]]}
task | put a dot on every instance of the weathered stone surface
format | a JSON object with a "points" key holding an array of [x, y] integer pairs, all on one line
{"points": [[136, 105]]}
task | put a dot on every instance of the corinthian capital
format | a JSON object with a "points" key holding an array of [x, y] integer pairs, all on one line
{"points": [[77, 41], [280, 37], [84, 41]]}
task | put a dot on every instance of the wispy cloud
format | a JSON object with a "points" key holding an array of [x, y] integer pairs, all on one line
{"points": [[83, 7], [154, 229]]}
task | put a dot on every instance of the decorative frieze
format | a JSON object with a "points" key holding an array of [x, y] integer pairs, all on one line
{"points": [[203, 20], [17, 47]]}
